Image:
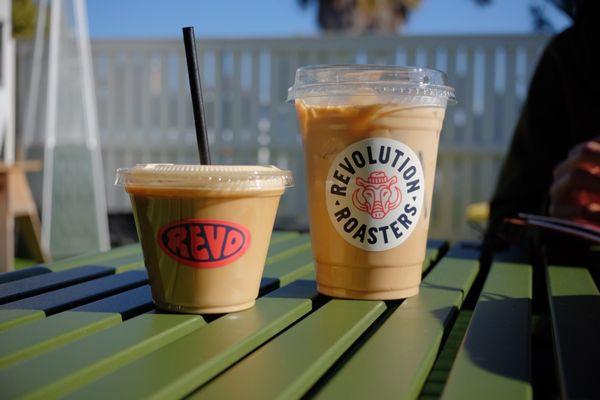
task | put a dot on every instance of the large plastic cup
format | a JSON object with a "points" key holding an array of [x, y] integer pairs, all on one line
{"points": [[205, 231], [370, 136]]}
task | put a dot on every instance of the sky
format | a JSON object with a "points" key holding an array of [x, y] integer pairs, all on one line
{"points": [[284, 18]]}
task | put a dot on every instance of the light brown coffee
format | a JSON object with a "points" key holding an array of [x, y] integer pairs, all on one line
{"points": [[205, 242], [348, 134]]}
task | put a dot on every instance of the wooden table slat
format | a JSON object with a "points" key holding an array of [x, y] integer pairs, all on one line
{"points": [[96, 258], [299, 264], [201, 355], [434, 385], [282, 236], [494, 358], [12, 318], [438, 244], [28, 272], [26, 341], [288, 248], [38, 284], [430, 257], [64, 369], [127, 263], [435, 250], [575, 311], [73, 296], [395, 361], [465, 249], [128, 304], [291, 363], [289, 269]]}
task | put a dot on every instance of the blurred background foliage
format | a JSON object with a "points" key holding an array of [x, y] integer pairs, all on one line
{"points": [[387, 17], [24, 15]]}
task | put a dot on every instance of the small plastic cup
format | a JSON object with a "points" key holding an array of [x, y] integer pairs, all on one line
{"points": [[205, 231]]}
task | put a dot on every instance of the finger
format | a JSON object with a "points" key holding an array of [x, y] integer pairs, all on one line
{"points": [[578, 179], [583, 153], [592, 213], [588, 213], [565, 210], [577, 205]]}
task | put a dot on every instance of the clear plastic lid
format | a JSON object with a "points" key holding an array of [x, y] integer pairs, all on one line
{"points": [[204, 177], [374, 80]]}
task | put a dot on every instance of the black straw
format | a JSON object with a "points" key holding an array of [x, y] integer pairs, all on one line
{"points": [[189, 40]]}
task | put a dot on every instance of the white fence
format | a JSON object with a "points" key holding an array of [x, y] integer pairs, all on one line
{"points": [[145, 112]]}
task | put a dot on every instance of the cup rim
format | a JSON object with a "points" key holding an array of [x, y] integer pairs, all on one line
{"points": [[204, 177], [347, 79]]}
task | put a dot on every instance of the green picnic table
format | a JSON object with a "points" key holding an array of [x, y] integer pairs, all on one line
{"points": [[86, 328]]}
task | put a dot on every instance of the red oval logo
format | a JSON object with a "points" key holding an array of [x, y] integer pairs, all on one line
{"points": [[204, 243]]}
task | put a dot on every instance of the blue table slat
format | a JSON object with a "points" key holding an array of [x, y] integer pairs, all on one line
{"points": [[35, 285], [73, 296], [267, 285], [303, 288], [139, 300], [465, 249], [129, 304], [12, 276], [438, 244]]}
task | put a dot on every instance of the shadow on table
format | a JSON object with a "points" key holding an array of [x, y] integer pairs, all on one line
{"points": [[499, 341], [498, 338], [577, 329]]}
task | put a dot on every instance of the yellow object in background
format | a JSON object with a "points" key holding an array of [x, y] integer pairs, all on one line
{"points": [[478, 212]]}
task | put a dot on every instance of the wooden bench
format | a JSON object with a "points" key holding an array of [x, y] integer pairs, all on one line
{"points": [[86, 328]]}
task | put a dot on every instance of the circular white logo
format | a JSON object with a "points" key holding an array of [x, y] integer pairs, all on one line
{"points": [[374, 193]]}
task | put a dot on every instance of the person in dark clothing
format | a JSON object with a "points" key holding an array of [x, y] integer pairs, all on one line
{"points": [[553, 164]]}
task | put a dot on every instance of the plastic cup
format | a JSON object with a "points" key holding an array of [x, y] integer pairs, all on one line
{"points": [[370, 136], [205, 231]]}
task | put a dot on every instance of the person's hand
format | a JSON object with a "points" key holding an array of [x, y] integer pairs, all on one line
{"points": [[575, 192]]}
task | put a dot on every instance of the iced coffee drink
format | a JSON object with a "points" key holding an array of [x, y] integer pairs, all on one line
{"points": [[205, 231], [370, 137]]}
